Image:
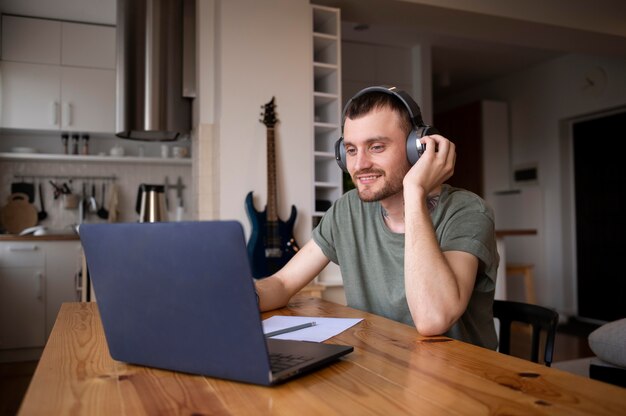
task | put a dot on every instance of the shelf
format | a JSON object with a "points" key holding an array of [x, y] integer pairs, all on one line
{"points": [[47, 157], [324, 98], [321, 126], [327, 185], [324, 155], [321, 69], [328, 179]]}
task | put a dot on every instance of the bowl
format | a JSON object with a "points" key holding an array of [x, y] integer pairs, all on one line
{"points": [[23, 150]]}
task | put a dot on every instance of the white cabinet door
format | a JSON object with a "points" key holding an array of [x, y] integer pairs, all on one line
{"points": [[30, 96], [31, 40], [90, 46], [88, 97], [63, 262], [48, 97], [22, 307]]}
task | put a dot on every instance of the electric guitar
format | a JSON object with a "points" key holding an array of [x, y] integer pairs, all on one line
{"points": [[271, 244]]}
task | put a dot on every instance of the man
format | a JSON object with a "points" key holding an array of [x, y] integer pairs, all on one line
{"points": [[410, 247]]}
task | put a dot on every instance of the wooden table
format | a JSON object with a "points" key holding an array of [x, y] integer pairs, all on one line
{"points": [[392, 371]]}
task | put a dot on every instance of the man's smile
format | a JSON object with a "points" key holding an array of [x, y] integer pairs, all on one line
{"points": [[368, 177]]}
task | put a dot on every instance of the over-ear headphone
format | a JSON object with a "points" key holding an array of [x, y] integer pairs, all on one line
{"points": [[414, 148]]}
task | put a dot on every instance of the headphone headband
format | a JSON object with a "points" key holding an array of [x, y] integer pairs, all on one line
{"points": [[414, 148], [411, 106]]}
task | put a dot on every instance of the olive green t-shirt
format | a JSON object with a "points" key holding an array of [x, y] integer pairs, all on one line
{"points": [[371, 257]]}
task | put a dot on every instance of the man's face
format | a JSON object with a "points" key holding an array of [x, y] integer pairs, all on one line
{"points": [[376, 154]]}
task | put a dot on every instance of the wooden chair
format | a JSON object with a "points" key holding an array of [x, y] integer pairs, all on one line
{"points": [[525, 271], [540, 319]]}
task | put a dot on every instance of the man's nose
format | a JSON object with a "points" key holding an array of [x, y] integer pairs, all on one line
{"points": [[362, 161]]}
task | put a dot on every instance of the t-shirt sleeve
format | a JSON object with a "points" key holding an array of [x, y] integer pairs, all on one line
{"points": [[472, 232], [324, 233]]}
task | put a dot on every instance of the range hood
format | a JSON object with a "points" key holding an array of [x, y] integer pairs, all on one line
{"points": [[155, 67]]}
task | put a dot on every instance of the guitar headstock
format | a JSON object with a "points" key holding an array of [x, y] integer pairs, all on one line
{"points": [[269, 115]]}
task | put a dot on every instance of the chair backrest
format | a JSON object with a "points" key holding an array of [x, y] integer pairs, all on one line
{"points": [[539, 317]]}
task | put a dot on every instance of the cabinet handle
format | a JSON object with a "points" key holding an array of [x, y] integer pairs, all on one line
{"points": [[55, 113], [40, 287], [23, 248], [67, 114]]}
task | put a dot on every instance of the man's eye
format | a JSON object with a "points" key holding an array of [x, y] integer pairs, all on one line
{"points": [[351, 151], [377, 148]]}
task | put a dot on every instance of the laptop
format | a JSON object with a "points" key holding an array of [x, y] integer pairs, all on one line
{"points": [[180, 296]]}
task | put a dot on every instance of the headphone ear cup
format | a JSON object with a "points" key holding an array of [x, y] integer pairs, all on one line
{"points": [[340, 154], [414, 148]]}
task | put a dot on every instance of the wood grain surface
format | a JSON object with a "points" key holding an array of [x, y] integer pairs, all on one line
{"points": [[392, 371]]}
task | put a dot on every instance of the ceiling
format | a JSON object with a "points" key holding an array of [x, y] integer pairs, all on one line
{"points": [[471, 41], [471, 45]]}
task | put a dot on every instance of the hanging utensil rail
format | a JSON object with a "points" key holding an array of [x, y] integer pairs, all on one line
{"points": [[73, 177]]}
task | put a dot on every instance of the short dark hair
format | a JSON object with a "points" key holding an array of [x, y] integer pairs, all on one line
{"points": [[367, 102]]}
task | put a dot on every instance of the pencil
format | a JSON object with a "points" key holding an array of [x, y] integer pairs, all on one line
{"points": [[290, 329]]}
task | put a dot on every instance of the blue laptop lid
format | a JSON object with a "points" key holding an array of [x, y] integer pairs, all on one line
{"points": [[178, 296]]}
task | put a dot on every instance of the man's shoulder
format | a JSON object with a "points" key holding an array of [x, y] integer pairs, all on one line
{"points": [[464, 200]]}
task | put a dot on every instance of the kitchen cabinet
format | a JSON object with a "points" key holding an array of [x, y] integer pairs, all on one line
{"points": [[55, 42], [91, 46], [73, 92], [31, 40], [35, 278], [48, 97]]}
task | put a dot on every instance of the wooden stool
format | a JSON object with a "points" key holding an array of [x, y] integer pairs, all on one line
{"points": [[526, 271]]}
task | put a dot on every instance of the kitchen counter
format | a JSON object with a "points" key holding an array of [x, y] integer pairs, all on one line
{"points": [[517, 232], [47, 237]]}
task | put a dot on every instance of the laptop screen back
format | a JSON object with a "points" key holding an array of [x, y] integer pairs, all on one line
{"points": [[179, 296]]}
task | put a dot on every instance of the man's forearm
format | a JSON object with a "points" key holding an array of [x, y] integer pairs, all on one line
{"points": [[272, 293], [431, 288]]}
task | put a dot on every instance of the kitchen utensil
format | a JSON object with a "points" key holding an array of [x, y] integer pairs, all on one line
{"points": [[102, 212], [166, 187], [151, 203], [27, 188], [84, 202], [42, 214], [93, 204], [18, 214], [71, 201], [58, 190], [179, 191]]}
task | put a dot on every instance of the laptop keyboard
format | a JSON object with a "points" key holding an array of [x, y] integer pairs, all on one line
{"points": [[280, 362]]}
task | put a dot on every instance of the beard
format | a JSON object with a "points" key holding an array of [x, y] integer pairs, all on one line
{"points": [[391, 185]]}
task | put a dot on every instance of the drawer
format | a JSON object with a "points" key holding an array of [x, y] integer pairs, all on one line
{"points": [[22, 254]]}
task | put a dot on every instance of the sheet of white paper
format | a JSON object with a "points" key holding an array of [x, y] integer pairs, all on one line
{"points": [[323, 329]]}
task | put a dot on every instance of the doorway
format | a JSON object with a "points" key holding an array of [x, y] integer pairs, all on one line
{"points": [[600, 219]]}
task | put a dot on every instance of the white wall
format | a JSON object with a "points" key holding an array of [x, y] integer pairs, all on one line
{"points": [[262, 49], [540, 99]]}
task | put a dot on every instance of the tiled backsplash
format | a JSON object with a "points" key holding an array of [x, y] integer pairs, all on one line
{"points": [[128, 178]]}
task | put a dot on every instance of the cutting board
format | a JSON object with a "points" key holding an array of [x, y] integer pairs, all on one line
{"points": [[18, 214]]}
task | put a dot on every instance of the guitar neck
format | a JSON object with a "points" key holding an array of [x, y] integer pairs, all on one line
{"points": [[272, 198]]}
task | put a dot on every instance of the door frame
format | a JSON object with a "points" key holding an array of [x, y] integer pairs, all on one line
{"points": [[568, 204]]}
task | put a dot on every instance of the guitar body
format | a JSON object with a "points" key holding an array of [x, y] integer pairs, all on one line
{"points": [[271, 245]]}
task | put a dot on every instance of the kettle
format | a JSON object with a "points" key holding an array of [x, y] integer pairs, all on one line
{"points": [[151, 203]]}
